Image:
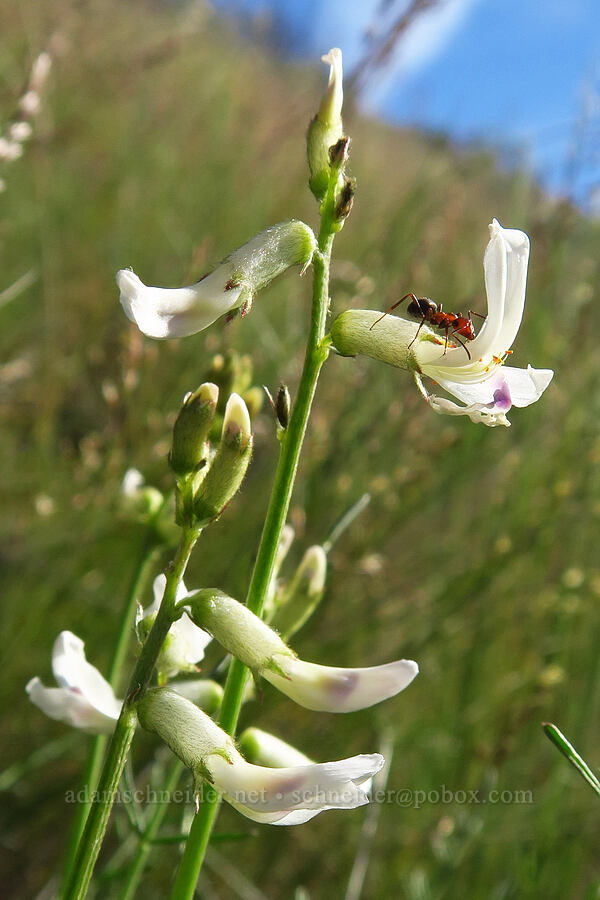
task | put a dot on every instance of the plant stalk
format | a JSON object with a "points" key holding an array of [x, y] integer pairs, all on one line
{"points": [[96, 753], [291, 445], [103, 798]]}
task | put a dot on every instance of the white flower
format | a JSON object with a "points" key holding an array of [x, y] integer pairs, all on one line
{"points": [[185, 643], [40, 71], [30, 103], [477, 378], [294, 794], [84, 699], [177, 312], [281, 796], [20, 131], [259, 647], [10, 150], [133, 480], [331, 689], [487, 387]]}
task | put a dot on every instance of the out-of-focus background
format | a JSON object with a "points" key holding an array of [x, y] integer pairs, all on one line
{"points": [[167, 136]]}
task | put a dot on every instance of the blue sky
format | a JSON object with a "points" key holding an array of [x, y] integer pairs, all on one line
{"points": [[523, 75]]}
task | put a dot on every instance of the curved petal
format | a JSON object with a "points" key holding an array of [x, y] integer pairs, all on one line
{"points": [[330, 111], [187, 641], [517, 260], [176, 312], [296, 817], [68, 706], [476, 412], [330, 689], [507, 387], [73, 671], [495, 266], [314, 787]]}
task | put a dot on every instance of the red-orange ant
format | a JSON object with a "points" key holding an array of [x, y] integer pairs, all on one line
{"points": [[429, 311]]}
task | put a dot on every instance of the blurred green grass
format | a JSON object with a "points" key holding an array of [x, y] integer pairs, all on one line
{"points": [[164, 142]]}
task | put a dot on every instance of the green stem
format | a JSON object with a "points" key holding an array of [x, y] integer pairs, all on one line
{"points": [[94, 761], [150, 832], [103, 798], [291, 445]]}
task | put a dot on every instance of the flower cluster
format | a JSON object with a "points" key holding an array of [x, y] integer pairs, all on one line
{"points": [[277, 784]]}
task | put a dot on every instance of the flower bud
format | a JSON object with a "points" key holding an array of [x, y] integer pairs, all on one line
{"points": [[228, 468], [191, 429], [325, 130], [203, 692], [345, 201], [282, 406], [264, 749], [253, 398], [283, 545], [177, 312], [304, 593], [330, 110]]}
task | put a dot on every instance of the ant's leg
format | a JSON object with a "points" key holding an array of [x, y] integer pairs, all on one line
{"points": [[393, 306], [464, 346], [417, 334], [446, 335]]}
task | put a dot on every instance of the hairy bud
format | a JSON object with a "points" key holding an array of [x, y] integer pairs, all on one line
{"points": [[192, 427]]}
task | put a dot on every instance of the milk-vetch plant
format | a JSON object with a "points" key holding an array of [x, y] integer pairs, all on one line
{"points": [[272, 783]]}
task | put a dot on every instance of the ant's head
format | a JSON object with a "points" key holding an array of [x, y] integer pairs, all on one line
{"points": [[421, 307]]}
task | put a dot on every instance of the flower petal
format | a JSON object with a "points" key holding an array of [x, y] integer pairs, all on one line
{"points": [[496, 275], [158, 587], [68, 706], [176, 312], [505, 267], [520, 387], [192, 640], [330, 689], [260, 790], [517, 260], [133, 480], [72, 671]]}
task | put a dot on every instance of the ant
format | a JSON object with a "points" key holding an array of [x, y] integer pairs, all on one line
{"points": [[429, 311]]}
